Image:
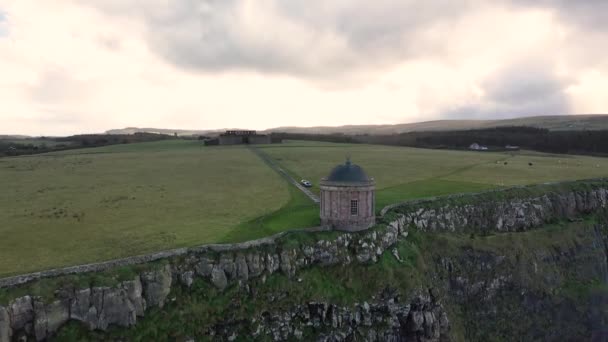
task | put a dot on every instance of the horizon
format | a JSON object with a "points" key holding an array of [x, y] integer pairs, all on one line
{"points": [[104, 131], [91, 67]]}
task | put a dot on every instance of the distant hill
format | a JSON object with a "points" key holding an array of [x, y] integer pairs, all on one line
{"points": [[6, 137], [132, 130], [554, 123], [180, 132]]}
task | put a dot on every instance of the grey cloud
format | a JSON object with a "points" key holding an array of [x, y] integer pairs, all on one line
{"points": [[55, 85], [310, 38], [588, 14], [3, 24], [523, 83], [518, 90]]}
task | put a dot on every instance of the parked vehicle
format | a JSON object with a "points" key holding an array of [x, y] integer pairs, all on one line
{"points": [[306, 183]]}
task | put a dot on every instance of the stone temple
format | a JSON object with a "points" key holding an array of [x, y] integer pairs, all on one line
{"points": [[348, 198]]}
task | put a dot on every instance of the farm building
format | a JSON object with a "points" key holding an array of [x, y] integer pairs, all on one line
{"points": [[477, 147], [243, 137], [348, 198]]}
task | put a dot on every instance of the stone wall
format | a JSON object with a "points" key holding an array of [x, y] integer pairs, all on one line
{"points": [[142, 259]]}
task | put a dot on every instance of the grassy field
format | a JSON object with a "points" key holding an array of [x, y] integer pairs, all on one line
{"points": [[87, 205], [403, 173]]}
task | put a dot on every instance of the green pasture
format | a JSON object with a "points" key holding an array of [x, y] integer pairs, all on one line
{"points": [[95, 204], [403, 173], [86, 205]]}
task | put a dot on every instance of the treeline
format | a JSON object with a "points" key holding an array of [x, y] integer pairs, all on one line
{"points": [[538, 139], [575, 142], [13, 147], [96, 140]]}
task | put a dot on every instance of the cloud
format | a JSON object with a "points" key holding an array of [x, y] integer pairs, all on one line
{"points": [[56, 85], [3, 24], [296, 37], [72, 66], [588, 14], [519, 89]]}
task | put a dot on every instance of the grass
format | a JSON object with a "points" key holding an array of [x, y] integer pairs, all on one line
{"points": [[403, 173], [88, 205], [299, 212]]}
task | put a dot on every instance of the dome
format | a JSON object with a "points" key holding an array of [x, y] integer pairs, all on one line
{"points": [[348, 173]]}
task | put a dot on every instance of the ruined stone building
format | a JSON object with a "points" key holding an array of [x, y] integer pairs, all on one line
{"points": [[243, 137]]}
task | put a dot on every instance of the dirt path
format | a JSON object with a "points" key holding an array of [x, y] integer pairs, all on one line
{"points": [[266, 159]]}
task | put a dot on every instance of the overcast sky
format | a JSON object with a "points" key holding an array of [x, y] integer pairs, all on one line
{"points": [[76, 66]]}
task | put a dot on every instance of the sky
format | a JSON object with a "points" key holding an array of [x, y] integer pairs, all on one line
{"points": [[73, 66]]}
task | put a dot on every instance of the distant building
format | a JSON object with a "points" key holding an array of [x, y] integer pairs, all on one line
{"points": [[512, 147], [348, 198], [477, 147], [243, 137]]}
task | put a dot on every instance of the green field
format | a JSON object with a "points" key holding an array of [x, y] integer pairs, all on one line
{"points": [[87, 205], [403, 173]]}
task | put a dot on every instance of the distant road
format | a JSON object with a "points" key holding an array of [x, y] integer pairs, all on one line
{"points": [[266, 159]]}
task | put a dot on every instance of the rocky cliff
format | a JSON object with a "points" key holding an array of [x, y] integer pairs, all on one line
{"points": [[511, 267]]}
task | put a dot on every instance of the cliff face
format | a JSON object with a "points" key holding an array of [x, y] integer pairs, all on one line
{"points": [[554, 286], [411, 278], [484, 213]]}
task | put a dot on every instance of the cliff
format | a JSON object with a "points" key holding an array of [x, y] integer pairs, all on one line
{"points": [[456, 274]]}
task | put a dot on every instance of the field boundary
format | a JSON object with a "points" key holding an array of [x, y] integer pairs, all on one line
{"points": [[269, 240], [145, 258], [273, 165]]}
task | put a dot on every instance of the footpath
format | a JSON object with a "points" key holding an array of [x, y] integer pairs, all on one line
{"points": [[266, 159]]}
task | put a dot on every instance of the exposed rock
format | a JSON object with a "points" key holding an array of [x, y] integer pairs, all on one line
{"points": [[187, 278], [272, 263], [79, 308], [227, 265], [255, 263], [5, 325], [49, 317], [518, 214], [135, 294], [218, 278], [157, 285], [288, 258], [21, 311], [205, 266], [395, 253], [384, 320], [242, 270], [117, 309]]}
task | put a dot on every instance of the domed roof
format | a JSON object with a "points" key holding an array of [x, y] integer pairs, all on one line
{"points": [[348, 173]]}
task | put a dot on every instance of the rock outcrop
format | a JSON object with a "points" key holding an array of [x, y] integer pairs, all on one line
{"points": [[5, 325], [96, 308], [157, 285], [481, 213], [388, 319]]}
